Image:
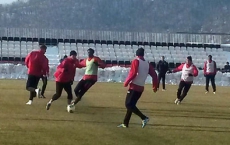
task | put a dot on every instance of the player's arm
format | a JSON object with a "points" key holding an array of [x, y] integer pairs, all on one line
{"points": [[215, 67], [63, 67], [195, 71], [179, 68], [167, 66], [47, 67], [27, 60], [83, 63], [153, 74], [78, 65], [205, 67], [158, 65], [132, 73], [100, 63]]}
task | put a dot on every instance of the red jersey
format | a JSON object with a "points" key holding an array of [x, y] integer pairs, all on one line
{"points": [[180, 68], [210, 67], [37, 63], [92, 65], [47, 69], [66, 70], [134, 73]]}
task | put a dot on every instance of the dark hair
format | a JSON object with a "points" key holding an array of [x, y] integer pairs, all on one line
{"points": [[43, 47], [210, 56], [65, 56], [90, 49], [189, 58], [73, 52], [140, 52]]}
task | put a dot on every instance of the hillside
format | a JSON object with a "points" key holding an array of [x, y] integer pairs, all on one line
{"points": [[120, 15]]}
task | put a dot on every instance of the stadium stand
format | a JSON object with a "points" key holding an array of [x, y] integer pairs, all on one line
{"points": [[112, 53]]}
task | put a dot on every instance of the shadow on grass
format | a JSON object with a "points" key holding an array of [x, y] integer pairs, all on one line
{"points": [[138, 125], [192, 128], [166, 112], [185, 104]]}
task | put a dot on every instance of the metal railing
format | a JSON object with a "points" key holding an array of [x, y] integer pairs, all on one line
{"points": [[114, 36]]}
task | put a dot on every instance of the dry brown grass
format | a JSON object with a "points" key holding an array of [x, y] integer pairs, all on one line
{"points": [[200, 120]]}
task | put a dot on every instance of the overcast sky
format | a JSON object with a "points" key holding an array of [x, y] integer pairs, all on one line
{"points": [[6, 1]]}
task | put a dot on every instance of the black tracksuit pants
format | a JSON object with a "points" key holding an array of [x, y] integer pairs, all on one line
{"points": [[131, 100], [183, 90], [59, 87], [161, 76], [212, 78], [44, 81]]}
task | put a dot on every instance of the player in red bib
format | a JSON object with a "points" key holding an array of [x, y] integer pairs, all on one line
{"points": [[210, 73], [189, 71], [140, 68]]}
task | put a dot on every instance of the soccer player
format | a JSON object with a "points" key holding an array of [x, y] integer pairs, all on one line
{"points": [[64, 77], [162, 68], [140, 68], [210, 73], [40, 92], [189, 71], [63, 58], [92, 63], [37, 65]]}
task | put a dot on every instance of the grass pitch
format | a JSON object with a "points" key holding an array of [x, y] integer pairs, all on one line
{"points": [[200, 120]]}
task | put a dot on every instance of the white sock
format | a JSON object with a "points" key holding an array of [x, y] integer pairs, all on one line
{"points": [[50, 101]]}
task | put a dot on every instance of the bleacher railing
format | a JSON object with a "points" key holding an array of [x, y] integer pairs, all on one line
{"points": [[114, 36]]}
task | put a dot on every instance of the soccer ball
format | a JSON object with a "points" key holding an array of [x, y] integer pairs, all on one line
{"points": [[70, 109]]}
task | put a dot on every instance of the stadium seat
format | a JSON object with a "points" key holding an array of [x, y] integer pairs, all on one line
{"points": [[171, 65]]}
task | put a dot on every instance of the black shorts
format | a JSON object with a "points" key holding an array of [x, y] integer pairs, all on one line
{"points": [[32, 82]]}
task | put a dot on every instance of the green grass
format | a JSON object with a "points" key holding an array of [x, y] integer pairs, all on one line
{"points": [[200, 120]]}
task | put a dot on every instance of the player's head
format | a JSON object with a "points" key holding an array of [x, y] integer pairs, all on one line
{"points": [[73, 54], [163, 58], [43, 48], [189, 60], [65, 57], [209, 57], [140, 52], [227, 63], [90, 52]]}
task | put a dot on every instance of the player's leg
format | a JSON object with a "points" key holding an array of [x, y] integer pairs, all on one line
{"points": [[179, 90], [213, 83], [68, 89], [159, 80], [129, 111], [207, 83], [31, 85], [77, 90], [185, 91], [44, 81], [135, 97], [79, 86], [163, 81], [59, 88], [85, 86], [38, 91], [130, 103]]}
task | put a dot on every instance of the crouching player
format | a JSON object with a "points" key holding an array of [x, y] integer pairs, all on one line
{"points": [[189, 71], [64, 77], [140, 68]]}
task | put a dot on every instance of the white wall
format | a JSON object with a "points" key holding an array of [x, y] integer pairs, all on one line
{"points": [[113, 74]]}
